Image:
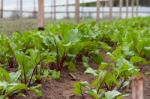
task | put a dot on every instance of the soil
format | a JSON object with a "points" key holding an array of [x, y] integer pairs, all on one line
{"points": [[63, 88]]}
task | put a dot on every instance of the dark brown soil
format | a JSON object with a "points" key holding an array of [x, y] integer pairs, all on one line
{"points": [[62, 88]]}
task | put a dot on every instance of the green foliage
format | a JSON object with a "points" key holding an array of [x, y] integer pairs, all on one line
{"points": [[8, 89], [136, 59], [39, 54], [55, 74], [111, 78], [78, 88], [4, 75], [51, 74], [9, 86], [112, 94]]}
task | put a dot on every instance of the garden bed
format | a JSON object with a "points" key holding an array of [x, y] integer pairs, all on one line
{"points": [[76, 61]]}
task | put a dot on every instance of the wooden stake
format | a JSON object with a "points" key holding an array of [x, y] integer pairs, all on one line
{"points": [[127, 8], [137, 87], [98, 10], [1, 9], [77, 11], [41, 14], [120, 5]]}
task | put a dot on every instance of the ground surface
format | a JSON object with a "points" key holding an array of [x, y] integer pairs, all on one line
{"points": [[63, 88], [21, 25]]}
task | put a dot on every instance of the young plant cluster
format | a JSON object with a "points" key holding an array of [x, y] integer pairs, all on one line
{"points": [[27, 58]]}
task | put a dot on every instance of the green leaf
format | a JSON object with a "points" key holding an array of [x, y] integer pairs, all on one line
{"points": [[3, 97], [99, 79], [4, 75], [15, 76], [103, 66], [105, 46], [77, 88], [136, 59], [71, 66], [93, 93], [112, 94], [55, 74], [36, 90], [91, 71], [15, 87], [97, 58]]}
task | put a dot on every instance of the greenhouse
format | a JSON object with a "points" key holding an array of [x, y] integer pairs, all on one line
{"points": [[74, 49]]}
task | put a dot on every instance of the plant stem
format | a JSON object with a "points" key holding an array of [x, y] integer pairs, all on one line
{"points": [[106, 86], [24, 73], [141, 51], [62, 61], [32, 75], [82, 92], [122, 82], [99, 86], [57, 57]]}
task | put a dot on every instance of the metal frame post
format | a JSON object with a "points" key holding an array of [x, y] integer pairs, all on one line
{"points": [[21, 8], [120, 5], [77, 11], [137, 7], [1, 9], [127, 8], [98, 10], [132, 4], [67, 9]]}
